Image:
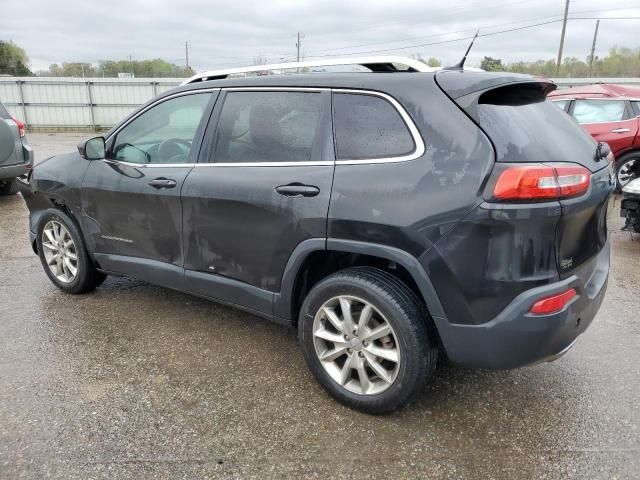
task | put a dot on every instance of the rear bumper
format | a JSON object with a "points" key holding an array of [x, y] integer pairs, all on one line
{"points": [[516, 338], [12, 171]]}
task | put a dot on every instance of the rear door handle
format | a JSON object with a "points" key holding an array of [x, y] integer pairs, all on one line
{"points": [[298, 190], [620, 130], [162, 182]]}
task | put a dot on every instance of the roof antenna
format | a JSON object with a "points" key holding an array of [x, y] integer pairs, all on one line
{"points": [[460, 65]]}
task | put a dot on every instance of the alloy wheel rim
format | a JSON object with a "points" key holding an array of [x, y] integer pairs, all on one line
{"points": [[356, 345], [624, 176], [60, 251]]}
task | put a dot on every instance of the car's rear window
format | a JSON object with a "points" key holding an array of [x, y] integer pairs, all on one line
{"points": [[369, 127], [526, 127]]}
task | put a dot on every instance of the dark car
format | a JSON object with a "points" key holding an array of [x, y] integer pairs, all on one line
{"points": [[16, 156], [388, 216], [611, 114]]}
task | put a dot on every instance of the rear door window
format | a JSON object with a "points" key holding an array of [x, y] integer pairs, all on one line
{"points": [[268, 127], [369, 127], [598, 111]]}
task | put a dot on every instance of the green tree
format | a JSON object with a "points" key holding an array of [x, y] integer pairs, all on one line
{"points": [[434, 62], [13, 60], [491, 64]]}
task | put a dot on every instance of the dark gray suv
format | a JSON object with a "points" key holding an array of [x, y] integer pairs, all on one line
{"points": [[16, 156], [387, 215]]}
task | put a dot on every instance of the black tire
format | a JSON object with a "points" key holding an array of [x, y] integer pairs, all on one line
{"points": [[624, 159], [414, 330], [87, 277], [8, 187]]}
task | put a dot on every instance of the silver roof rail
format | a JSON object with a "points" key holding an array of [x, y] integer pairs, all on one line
{"points": [[375, 64]]}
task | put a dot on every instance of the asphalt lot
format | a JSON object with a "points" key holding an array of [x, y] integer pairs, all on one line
{"points": [[137, 381]]}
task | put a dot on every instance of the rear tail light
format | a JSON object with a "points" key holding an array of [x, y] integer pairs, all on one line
{"points": [[542, 182], [20, 125], [553, 304]]}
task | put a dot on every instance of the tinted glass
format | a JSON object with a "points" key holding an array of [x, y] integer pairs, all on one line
{"points": [[595, 111], [636, 108], [164, 133], [525, 127], [267, 127], [561, 104], [367, 126]]}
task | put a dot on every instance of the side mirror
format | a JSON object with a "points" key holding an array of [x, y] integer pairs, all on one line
{"points": [[92, 149]]}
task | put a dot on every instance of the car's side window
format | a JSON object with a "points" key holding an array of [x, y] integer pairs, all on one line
{"points": [[636, 108], [162, 134], [561, 104], [598, 111], [267, 127], [369, 127]]}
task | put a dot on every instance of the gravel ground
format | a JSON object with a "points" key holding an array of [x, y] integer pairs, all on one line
{"points": [[137, 381]]}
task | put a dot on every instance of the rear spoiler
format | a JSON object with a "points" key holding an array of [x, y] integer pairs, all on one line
{"points": [[467, 89]]}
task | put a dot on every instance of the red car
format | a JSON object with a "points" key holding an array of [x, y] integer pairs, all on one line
{"points": [[610, 113]]}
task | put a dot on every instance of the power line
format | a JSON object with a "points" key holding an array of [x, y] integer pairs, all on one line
{"points": [[439, 42], [465, 30]]}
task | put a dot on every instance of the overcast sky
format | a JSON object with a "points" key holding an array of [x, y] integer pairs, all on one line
{"points": [[222, 34]]}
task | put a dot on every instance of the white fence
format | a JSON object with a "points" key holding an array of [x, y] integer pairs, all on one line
{"points": [[95, 103], [50, 102]]}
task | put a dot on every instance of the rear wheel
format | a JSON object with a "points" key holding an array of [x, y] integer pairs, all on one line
{"points": [[367, 339], [8, 187], [627, 169], [63, 254]]}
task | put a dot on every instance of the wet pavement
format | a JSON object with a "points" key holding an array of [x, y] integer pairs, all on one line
{"points": [[137, 381]]}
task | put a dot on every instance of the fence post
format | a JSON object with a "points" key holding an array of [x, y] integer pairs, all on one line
{"points": [[154, 84], [22, 103], [93, 119]]}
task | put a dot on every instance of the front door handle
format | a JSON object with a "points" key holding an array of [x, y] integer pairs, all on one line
{"points": [[620, 130], [298, 190], [162, 182]]}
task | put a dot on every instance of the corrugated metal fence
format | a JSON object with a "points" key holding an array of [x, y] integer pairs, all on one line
{"points": [[68, 103], [96, 103]]}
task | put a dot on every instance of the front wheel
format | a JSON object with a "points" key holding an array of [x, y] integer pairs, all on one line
{"points": [[367, 339], [64, 256]]}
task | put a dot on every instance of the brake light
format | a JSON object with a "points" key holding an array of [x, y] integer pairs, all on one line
{"points": [[20, 125], [554, 303], [542, 182]]}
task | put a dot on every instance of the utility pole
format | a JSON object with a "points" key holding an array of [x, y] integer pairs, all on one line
{"points": [[298, 50], [593, 48], [564, 29], [186, 53]]}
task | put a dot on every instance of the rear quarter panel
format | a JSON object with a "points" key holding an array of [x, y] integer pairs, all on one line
{"points": [[410, 205]]}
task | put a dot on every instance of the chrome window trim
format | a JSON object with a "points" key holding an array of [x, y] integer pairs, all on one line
{"points": [[146, 165], [319, 163], [157, 102], [276, 89], [413, 130], [406, 118]]}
